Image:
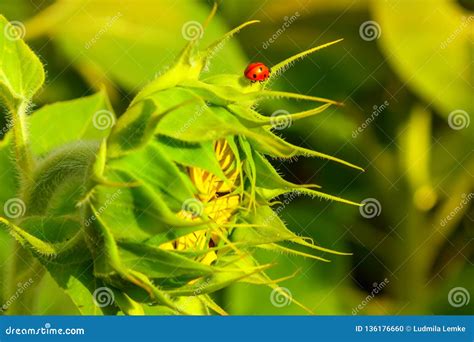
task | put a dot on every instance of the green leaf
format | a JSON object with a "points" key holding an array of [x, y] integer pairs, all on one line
{"points": [[159, 263], [6, 251], [136, 212], [113, 41], [87, 118], [269, 194], [151, 166], [107, 263], [131, 213], [216, 281], [79, 283], [248, 167], [198, 121], [274, 146], [269, 228], [255, 119], [29, 241], [21, 72], [200, 155], [268, 177], [57, 240], [134, 129], [436, 62]]}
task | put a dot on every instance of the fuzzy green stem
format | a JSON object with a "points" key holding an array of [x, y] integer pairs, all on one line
{"points": [[20, 133], [22, 263]]}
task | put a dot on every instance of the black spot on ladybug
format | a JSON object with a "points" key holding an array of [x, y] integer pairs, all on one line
{"points": [[254, 75], [260, 69]]}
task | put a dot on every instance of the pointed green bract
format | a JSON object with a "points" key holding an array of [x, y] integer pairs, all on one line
{"points": [[278, 68], [21, 75], [159, 263]]}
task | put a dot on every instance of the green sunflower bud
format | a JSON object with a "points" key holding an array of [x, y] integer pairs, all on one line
{"points": [[168, 205]]}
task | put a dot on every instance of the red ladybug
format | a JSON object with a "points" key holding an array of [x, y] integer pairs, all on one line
{"points": [[257, 72]]}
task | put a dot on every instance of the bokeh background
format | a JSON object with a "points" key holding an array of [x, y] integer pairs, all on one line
{"points": [[405, 74]]}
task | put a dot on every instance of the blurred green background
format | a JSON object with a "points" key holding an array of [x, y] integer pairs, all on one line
{"points": [[405, 73]]}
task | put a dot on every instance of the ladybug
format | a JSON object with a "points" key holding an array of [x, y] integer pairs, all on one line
{"points": [[257, 72]]}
